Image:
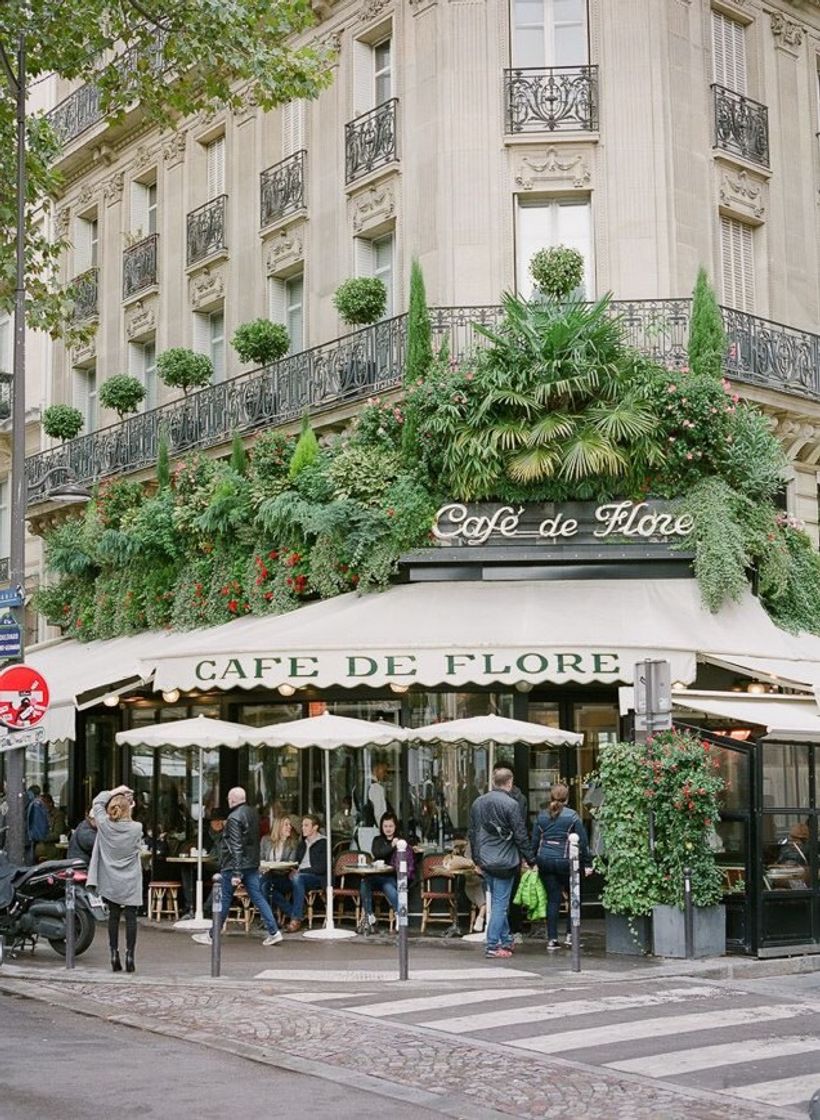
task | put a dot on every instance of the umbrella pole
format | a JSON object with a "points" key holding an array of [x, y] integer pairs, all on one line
{"points": [[329, 933], [198, 922]]}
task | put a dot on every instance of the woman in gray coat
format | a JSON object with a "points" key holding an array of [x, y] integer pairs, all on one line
{"points": [[115, 869]]}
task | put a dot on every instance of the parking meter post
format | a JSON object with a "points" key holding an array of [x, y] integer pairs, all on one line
{"points": [[688, 914], [70, 924], [216, 925], [575, 901], [401, 915]]}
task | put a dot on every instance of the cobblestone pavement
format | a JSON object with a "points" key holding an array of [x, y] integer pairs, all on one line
{"points": [[464, 1077]]}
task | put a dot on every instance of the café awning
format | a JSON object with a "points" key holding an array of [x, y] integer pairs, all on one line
{"points": [[479, 633], [787, 717]]}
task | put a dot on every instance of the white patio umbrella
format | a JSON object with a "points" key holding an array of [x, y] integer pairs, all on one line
{"points": [[328, 733], [205, 734]]}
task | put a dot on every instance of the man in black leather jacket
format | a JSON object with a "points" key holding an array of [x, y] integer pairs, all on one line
{"points": [[240, 864]]}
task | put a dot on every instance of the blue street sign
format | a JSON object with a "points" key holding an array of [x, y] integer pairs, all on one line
{"points": [[11, 596], [10, 641]]}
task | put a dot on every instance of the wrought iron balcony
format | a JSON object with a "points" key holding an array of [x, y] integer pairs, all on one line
{"points": [[86, 294], [282, 189], [741, 126], [6, 389], [207, 229], [139, 266], [371, 361], [555, 99], [4, 569], [371, 140]]}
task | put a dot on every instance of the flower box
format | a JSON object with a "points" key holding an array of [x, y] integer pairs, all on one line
{"points": [[668, 936], [628, 937]]}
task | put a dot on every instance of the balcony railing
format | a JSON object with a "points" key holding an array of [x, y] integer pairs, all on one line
{"points": [[741, 126], [207, 229], [86, 294], [371, 140], [371, 361], [6, 387], [556, 99], [4, 569], [282, 189], [139, 266]]}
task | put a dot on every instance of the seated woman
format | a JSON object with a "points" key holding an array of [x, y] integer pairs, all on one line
{"points": [[385, 847], [279, 847]]}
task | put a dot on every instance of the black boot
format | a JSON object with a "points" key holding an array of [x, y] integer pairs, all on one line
{"points": [[116, 963], [129, 961]]}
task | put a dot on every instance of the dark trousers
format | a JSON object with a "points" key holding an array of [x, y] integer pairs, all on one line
{"points": [[114, 912], [554, 874]]}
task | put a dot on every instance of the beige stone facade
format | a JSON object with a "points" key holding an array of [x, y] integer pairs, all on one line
{"points": [[619, 152]]}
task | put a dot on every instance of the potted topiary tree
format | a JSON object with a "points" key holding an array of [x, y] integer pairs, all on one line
{"points": [[184, 369], [122, 393], [61, 421], [361, 300], [261, 342], [557, 271]]}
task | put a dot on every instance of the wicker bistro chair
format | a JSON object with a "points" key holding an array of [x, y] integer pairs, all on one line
{"points": [[242, 911], [343, 893], [163, 899], [434, 872]]}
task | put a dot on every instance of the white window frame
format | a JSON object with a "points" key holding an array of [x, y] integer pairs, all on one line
{"points": [[547, 27], [142, 362], [294, 115], [553, 234], [143, 208], [288, 308], [206, 341], [215, 167], [86, 244], [729, 62], [384, 73], [737, 264], [366, 249], [86, 397]]}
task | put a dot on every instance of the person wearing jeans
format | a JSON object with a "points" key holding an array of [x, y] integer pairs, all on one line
{"points": [[499, 843], [240, 864], [310, 873], [550, 841]]}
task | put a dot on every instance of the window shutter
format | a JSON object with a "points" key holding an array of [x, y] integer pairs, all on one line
{"points": [[216, 167], [82, 246], [729, 52], [293, 127], [737, 264], [202, 333], [276, 300], [363, 80], [294, 311], [363, 257], [139, 209]]}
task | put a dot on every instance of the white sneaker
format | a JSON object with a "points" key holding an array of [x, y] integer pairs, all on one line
{"points": [[202, 938], [273, 938]]}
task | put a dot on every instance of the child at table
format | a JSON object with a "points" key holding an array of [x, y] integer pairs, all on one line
{"points": [[385, 848]]}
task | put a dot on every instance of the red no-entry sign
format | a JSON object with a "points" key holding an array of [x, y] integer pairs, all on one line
{"points": [[23, 697]]}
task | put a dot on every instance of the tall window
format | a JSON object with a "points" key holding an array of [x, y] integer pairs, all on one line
{"points": [[542, 223], [729, 52], [737, 264], [293, 127], [143, 365], [86, 244], [85, 397], [373, 77], [376, 258], [549, 33], [382, 72], [286, 305], [5, 520], [144, 208], [215, 165], [209, 338]]}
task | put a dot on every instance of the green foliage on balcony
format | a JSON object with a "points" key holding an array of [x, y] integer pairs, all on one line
{"points": [[122, 393], [61, 421]]}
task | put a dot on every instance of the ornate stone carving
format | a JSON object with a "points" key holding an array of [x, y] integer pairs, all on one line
{"points": [[84, 352], [62, 220], [332, 44], [247, 110], [285, 249], [173, 150], [787, 32], [568, 167], [112, 188], [419, 6], [372, 9], [322, 8], [141, 318], [143, 157], [87, 195], [206, 288], [373, 206], [742, 192]]}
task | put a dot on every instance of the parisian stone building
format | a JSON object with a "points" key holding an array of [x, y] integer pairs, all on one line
{"points": [[653, 135]]}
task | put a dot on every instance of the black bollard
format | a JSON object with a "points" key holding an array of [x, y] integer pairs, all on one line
{"points": [[688, 914], [70, 923], [575, 901], [216, 925], [401, 916]]}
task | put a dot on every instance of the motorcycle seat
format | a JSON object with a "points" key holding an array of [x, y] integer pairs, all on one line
{"points": [[48, 867]]}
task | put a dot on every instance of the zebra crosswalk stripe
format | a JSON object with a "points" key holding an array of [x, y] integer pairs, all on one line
{"points": [[788, 1090], [673, 1063], [518, 1016], [451, 999], [557, 1041]]}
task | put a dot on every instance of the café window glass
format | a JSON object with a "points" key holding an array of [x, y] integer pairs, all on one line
{"points": [[273, 773]]}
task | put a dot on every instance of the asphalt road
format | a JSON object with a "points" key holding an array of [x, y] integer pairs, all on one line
{"points": [[58, 1065]]}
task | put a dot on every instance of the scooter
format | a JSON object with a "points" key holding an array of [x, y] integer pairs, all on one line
{"points": [[32, 905]]}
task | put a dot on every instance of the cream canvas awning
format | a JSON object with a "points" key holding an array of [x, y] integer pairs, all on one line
{"points": [[479, 633], [787, 717]]}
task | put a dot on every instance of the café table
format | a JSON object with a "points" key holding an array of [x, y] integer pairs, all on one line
{"points": [[188, 875], [283, 865]]}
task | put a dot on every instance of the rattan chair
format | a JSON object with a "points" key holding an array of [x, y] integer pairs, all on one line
{"points": [[433, 871], [163, 899]]}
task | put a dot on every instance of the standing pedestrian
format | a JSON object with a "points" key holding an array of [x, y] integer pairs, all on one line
{"points": [[115, 870], [499, 844], [240, 864], [550, 841]]}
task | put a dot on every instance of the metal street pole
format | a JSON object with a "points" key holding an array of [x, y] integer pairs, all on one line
{"points": [[15, 759]]}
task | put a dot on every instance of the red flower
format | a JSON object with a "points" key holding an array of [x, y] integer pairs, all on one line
{"points": [[233, 606]]}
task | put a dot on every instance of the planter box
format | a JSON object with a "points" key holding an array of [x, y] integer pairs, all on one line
{"points": [[668, 939], [621, 940]]}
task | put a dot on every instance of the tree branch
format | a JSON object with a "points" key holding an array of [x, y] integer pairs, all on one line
{"points": [[14, 82]]}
